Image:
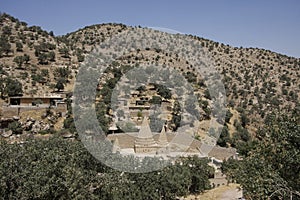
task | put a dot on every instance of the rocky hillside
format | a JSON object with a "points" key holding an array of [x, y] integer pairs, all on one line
{"points": [[257, 81]]}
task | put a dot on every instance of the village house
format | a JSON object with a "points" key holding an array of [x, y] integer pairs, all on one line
{"points": [[43, 101]]}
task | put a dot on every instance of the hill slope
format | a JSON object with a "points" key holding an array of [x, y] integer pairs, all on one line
{"points": [[257, 81]]}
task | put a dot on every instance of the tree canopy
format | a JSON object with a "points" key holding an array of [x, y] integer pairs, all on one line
{"points": [[62, 169], [10, 87], [271, 169]]}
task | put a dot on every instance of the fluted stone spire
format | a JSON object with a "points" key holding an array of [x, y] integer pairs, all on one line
{"points": [[145, 131], [163, 140], [116, 146], [144, 141], [113, 128]]}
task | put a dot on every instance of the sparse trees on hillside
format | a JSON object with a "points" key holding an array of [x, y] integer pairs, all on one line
{"points": [[5, 46]]}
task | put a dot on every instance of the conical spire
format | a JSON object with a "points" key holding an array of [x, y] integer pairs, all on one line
{"points": [[144, 141], [145, 131], [116, 146], [113, 127], [162, 140]]}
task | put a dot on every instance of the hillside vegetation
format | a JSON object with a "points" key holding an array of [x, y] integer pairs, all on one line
{"points": [[262, 112]]}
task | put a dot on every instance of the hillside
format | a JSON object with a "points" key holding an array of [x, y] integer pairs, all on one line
{"points": [[257, 81]]}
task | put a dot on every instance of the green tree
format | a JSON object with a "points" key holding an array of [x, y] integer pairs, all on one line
{"points": [[155, 100], [80, 57], [43, 59], [6, 30], [51, 33], [65, 52], [51, 56], [62, 169], [271, 170], [11, 87], [224, 137], [19, 60], [19, 46], [228, 116], [60, 84], [26, 58], [62, 72], [15, 127], [163, 91]]}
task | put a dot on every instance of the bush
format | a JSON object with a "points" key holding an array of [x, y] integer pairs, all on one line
{"points": [[15, 127]]}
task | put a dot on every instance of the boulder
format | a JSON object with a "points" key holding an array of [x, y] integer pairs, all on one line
{"points": [[7, 134], [16, 117]]}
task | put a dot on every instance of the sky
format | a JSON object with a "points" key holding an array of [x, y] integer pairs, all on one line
{"points": [[268, 24]]}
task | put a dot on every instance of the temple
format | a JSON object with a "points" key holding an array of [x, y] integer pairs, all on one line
{"points": [[145, 143]]}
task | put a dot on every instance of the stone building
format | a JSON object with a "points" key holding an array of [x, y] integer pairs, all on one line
{"points": [[37, 100], [165, 143]]}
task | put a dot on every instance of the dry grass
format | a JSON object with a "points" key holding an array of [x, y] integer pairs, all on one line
{"points": [[35, 114]]}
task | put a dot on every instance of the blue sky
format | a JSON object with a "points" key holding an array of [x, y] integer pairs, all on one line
{"points": [[268, 24]]}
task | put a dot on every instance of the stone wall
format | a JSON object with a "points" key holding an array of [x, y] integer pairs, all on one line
{"points": [[11, 111]]}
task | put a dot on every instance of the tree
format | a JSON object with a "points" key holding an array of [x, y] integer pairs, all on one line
{"points": [[45, 72], [207, 94], [26, 58], [244, 119], [224, 137], [163, 91], [63, 169], [51, 56], [6, 30], [15, 127], [140, 114], [80, 57], [12, 87], [51, 33], [271, 170], [62, 72], [19, 60], [2, 87], [65, 52], [43, 59], [155, 100], [228, 116], [60, 84], [19, 46]]}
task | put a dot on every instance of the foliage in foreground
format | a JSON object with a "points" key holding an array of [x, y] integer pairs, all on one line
{"points": [[272, 168], [60, 169]]}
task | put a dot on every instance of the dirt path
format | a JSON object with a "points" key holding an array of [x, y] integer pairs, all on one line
{"points": [[235, 116], [224, 192], [231, 194]]}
